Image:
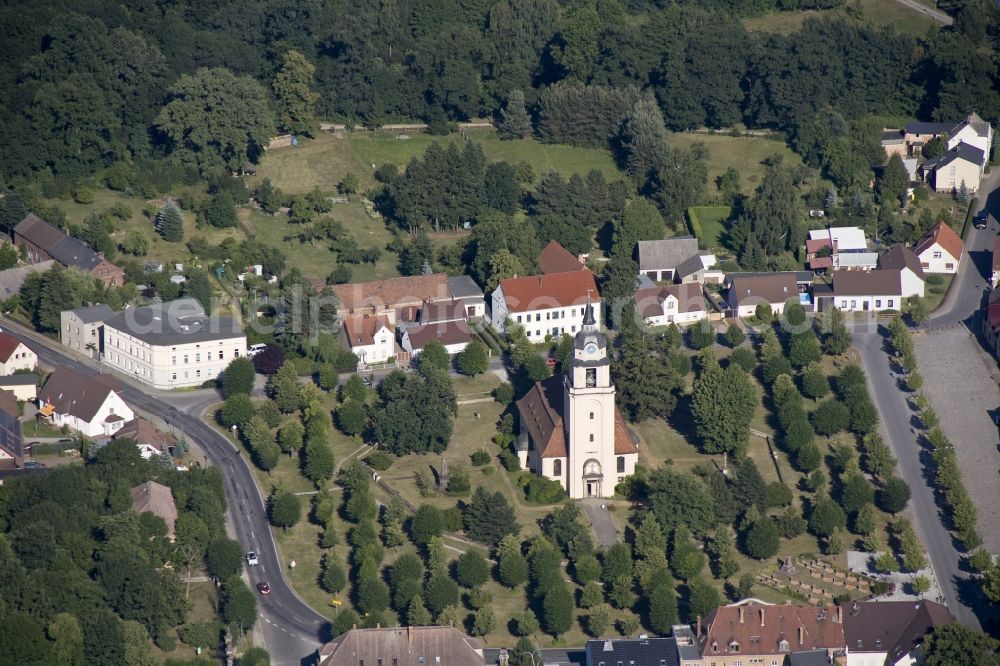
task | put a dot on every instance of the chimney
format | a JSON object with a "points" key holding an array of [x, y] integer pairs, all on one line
{"points": [[802, 634], [741, 614], [840, 614], [697, 631], [762, 617]]}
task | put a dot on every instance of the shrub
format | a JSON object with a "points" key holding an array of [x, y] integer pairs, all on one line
{"points": [[744, 358], [778, 494], [480, 457], [379, 460]]}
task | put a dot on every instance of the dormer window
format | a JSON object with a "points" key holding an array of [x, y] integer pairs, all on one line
{"points": [[783, 646], [734, 646], [715, 646]]}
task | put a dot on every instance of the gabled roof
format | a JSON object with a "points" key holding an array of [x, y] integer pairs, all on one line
{"points": [[649, 300], [899, 257], [633, 651], [403, 646], [918, 127], [843, 238], [144, 432], [463, 286], [973, 120], [891, 136], [893, 627], [962, 151], [667, 253], [557, 259], [90, 314], [867, 283], [754, 628], [446, 332], [360, 331], [556, 290], [694, 264], [8, 343], [442, 311], [75, 394], [393, 293], [541, 412], [772, 287], [65, 249], [156, 499], [943, 236]]}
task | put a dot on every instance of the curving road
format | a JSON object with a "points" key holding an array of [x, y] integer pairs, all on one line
{"points": [[292, 629]]}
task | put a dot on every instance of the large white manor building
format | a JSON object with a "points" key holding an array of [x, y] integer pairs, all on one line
{"points": [[571, 430]]}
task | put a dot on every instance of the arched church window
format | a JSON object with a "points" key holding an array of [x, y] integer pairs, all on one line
{"points": [[557, 468], [621, 464], [591, 377]]}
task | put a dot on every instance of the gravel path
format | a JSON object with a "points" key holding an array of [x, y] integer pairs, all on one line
{"points": [[959, 381]]}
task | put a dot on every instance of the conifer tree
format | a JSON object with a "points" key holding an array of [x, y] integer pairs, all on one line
{"points": [[514, 121], [169, 222]]}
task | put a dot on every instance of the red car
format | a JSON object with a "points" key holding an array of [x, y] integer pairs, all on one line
{"points": [[264, 588]]}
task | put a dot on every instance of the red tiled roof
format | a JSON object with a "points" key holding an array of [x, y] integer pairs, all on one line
{"points": [[557, 259], [360, 331], [158, 500], [758, 629], [541, 415], [8, 343], [818, 244], [445, 332], [394, 293], [556, 290], [821, 262], [942, 235]]}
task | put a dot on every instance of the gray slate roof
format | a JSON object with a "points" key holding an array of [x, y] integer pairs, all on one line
{"points": [[666, 254], [917, 127], [173, 323], [690, 266], [632, 651], [463, 286], [65, 249], [93, 313], [962, 151]]}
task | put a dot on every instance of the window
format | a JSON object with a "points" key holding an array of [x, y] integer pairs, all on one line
{"points": [[518, 319], [572, 313], [236, 353], [621, 464], [185, 359], [592, 416], [173, 376], [854, 304], [669, 304], [783, 646], [878, 302], [538, 316], [843, 304], [557, 468], [889, 303], [950, 266], [572, 329], [591, 437], [197, 373], [734, 646], [537, 332], [197, 358], [591, 376], [937, 254]]}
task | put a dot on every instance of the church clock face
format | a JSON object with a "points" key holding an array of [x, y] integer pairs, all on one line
{"points": [[591, 348]]}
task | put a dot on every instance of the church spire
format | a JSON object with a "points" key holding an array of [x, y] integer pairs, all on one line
{"points": [[589, 323]]}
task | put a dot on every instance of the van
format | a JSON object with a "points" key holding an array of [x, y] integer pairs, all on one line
{"points": [[253, 350]]}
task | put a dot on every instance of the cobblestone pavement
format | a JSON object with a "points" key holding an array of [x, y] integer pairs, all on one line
{"points": [[959, 380], [864, 563]]}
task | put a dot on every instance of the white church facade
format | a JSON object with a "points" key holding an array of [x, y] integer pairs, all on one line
{"points": [[571, 430]]}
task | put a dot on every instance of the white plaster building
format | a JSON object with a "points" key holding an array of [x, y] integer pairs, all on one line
{"points": [[854, 291], [90, 406], [679, 304], [80, 329], [371, 339], [544, 305], [171, 345], [940, 250], [15, 355], [571, 430], [911, 275]]}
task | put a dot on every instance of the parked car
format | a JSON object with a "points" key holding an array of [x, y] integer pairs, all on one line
{"points": [[264, 588], [32, 464], [253, 350], [981, 219], [252, 560]]}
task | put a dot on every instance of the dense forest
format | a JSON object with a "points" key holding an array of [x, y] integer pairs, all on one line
{"points": [[108, 86]]}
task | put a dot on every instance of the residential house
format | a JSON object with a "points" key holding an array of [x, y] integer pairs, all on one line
{"points": [[962, 165], [454, 335], [156, 498], [854, 291], [890, 633], [403, 646], [680, 304], [11, 437], [679, 649], [371, 339], [837, 248], [972, 131], [151, 440], [171, 345], [660, 260], [995, 263], [894, 143], [698, 269], [89, 405], [557, 259], [917, 134], [545, 305], [42, 241], [15, 355], [901, 258], [80, 329], [400, 299], [753, 632], [940, 250], [745, 293], [24, 386]]}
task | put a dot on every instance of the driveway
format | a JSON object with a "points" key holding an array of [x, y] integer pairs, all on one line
{"points": [[601, 520]]}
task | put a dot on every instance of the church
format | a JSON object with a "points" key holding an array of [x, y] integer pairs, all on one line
{"points": [[571, 430]]}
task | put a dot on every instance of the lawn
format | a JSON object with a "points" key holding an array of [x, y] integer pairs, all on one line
{"points": [[711, 223], [323, 162], [877, 12], [744, 153]]}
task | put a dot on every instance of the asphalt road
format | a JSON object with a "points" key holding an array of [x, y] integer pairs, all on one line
{"points": [[935, 14], [292, 630], [962, 306]]}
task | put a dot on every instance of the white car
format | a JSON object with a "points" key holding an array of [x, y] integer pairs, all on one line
{"points": [[253, 350], [252, 560]]}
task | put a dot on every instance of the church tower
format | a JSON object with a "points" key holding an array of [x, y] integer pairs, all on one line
{"points": [[589, 416]]}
